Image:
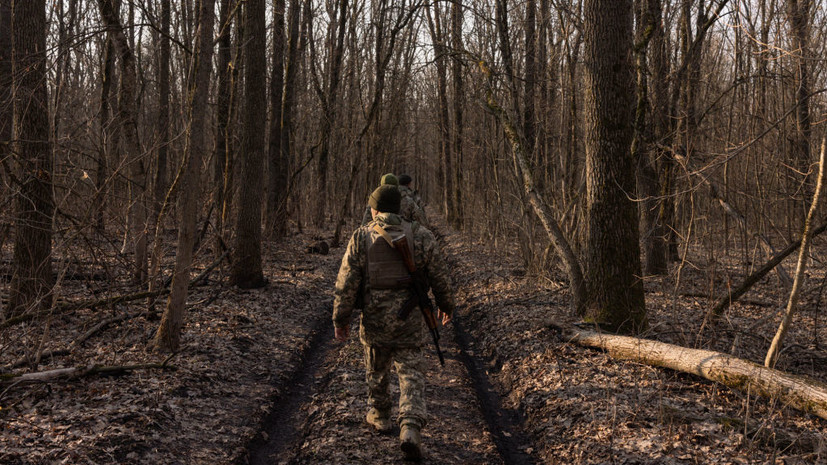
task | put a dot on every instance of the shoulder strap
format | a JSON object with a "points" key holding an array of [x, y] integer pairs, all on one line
{"points": [[379, 230]]}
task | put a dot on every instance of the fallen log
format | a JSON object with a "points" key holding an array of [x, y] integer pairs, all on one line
{"points": [[795, 391], [735, 293], [80, 340], [69, 306], [77, 372]]}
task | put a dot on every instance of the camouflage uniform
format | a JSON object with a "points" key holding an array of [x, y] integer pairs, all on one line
{"points": [[411, 207], [386, 338]]}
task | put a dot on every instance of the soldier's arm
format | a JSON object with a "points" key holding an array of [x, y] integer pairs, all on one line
{"points": [[348, 282], [437, 272]]}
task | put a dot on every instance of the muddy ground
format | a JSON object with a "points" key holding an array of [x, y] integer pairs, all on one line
{"points": [[259, 379]]}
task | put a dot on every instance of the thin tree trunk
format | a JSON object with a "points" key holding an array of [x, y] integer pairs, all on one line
{"points": [[221, 150], [32, 277], [456, 42], [798, 13], [529, 112], [246, 268], [655, 162], [127, 107], [803, 255], [6, 105], [277, 164], [538, 204], [290, 84], [329, 107], [167, 338], [161, 184], [445, 168]]}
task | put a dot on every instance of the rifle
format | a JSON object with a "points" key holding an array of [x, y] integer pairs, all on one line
{"points": [[419, 294]]}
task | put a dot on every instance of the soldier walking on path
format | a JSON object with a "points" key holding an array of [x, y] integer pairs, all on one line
{"points": [[374, 273], [411, 207]]}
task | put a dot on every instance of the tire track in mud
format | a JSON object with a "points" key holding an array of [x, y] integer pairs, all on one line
{"points": [[318, 416], [512, 443], [279, 433]]}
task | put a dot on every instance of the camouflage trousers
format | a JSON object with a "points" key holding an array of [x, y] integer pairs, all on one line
{"points": [[409, 365]]}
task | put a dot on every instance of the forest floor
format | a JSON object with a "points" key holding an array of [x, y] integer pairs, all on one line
{"points": [[259, 380]]}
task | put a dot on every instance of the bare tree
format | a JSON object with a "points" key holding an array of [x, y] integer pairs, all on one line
{"points": [[128, 124], [277, 163], [32, 277], [167, 338], [246, 270], [615, 290]]}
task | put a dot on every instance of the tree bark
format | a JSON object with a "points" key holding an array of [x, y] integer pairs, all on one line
{"points": [[128, 118], [529, 112], [456, 74], [743, 375], [107, 131], [798, 14], [32, 280], [655, 163], [290, 85], [167, 338], [615, 290], [6, 105], [162, 128], [246, 269], [277, 164]]}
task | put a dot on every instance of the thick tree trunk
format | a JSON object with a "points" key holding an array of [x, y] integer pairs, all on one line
{"points": [[128, 110], [246, 270], [167, 338], [615, 290], [32, 279], [743, 375]]}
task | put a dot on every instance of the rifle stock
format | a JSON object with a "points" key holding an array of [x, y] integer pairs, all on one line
{"points": [[420, 294]]}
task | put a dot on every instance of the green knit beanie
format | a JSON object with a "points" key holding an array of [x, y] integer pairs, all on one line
{"points": [[386, 199], [389, 179]]}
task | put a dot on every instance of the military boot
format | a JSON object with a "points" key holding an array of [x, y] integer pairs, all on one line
{"points": [[411, 442], [379, 420]]}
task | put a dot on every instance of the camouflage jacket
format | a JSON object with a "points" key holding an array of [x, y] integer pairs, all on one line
{"points": [[411, 207], [379, 322]]}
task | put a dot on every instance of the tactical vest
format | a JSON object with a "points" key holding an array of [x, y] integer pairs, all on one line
{"points": [[386, 269]]}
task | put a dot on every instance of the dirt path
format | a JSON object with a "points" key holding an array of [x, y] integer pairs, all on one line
{"points": [[320, 418]]}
